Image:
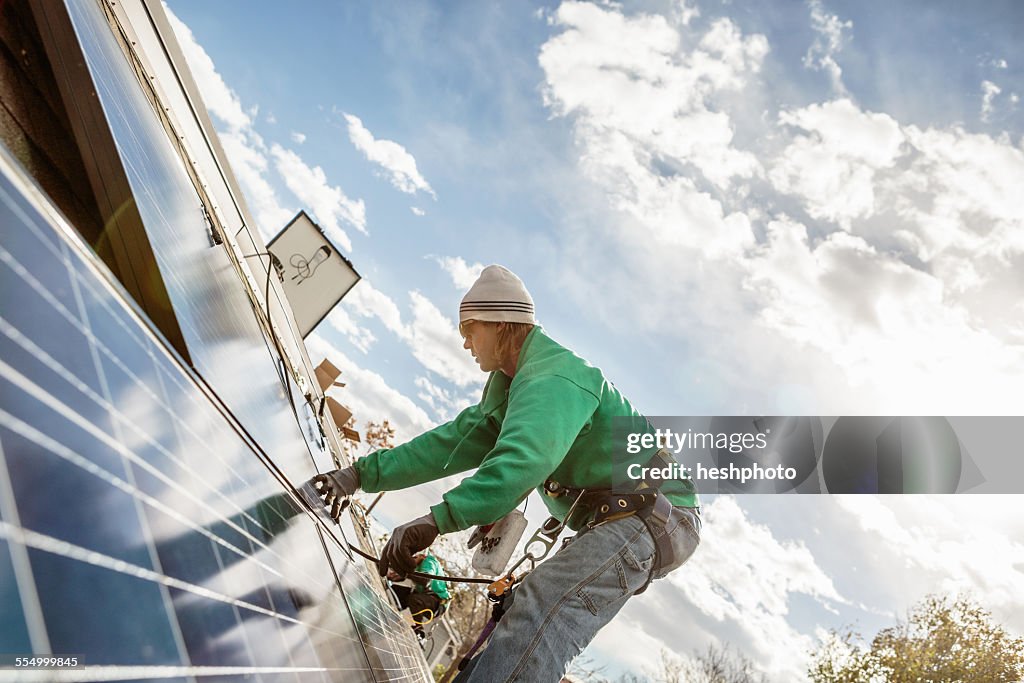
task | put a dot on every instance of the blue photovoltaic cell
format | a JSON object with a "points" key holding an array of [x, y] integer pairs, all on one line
{"points": [[69, 504], [13, 631], [54, 360], [126, 616]]}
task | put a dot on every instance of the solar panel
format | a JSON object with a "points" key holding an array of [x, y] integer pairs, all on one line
{"points": [[140, 528]]}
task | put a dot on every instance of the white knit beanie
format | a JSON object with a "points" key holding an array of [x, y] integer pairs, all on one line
{"points": [[498, 295]]}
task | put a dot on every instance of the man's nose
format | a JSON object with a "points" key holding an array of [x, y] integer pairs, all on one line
{"points": [[465, 343]]}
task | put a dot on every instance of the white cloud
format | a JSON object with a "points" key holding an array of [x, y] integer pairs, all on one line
{"points": [[399, 166], [369, 302], [637, 98], [463, 274], [437, 344], [643, 651], [742, 576], [298, 138], [989, 90], [328, 203], [970, 182], [847, 131], [368, 395], [271, 119], [683, 12], [432, 337], [417, 211], [827, 44], [876, 253], [877, 317], [944, 198], [444, 404], [942, 544], [945, 194], [360, 337], [832, 167]]}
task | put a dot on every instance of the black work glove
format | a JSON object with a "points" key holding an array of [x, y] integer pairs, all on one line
{"points": [[407, 540], [335, 487]]}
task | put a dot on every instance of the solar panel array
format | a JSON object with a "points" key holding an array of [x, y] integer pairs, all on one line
{"points": [[139, 528]]}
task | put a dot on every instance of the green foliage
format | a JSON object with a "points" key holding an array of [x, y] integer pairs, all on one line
{"points": [[941, 641]]}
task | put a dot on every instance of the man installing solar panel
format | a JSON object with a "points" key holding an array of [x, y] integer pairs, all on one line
{"points": [[544, 422]]}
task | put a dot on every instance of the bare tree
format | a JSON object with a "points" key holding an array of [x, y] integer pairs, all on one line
{"points": [[671, 669], [584, 669], [632, 678], [721, 665], [714, 665], [379, 435]]}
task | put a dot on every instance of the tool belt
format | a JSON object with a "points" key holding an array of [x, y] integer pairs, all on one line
{"points": [[647, 502]]}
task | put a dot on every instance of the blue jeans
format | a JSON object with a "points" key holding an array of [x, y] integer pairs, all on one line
{"points": [[561, 605]]}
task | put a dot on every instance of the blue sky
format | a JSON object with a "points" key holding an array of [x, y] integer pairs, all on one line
{"points": [[730, 207]]}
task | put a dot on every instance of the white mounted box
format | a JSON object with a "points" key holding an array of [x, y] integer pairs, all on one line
{"points": [[314, 273]]}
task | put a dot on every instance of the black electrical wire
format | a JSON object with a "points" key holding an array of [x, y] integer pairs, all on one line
{"points": [[422, 575], [376, 560], [282, 371]]}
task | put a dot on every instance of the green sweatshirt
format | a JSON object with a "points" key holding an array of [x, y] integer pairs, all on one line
{"points": [[552, 420]]}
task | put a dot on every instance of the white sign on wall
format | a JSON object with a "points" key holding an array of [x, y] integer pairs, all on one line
{"points": [[315, 274]]}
